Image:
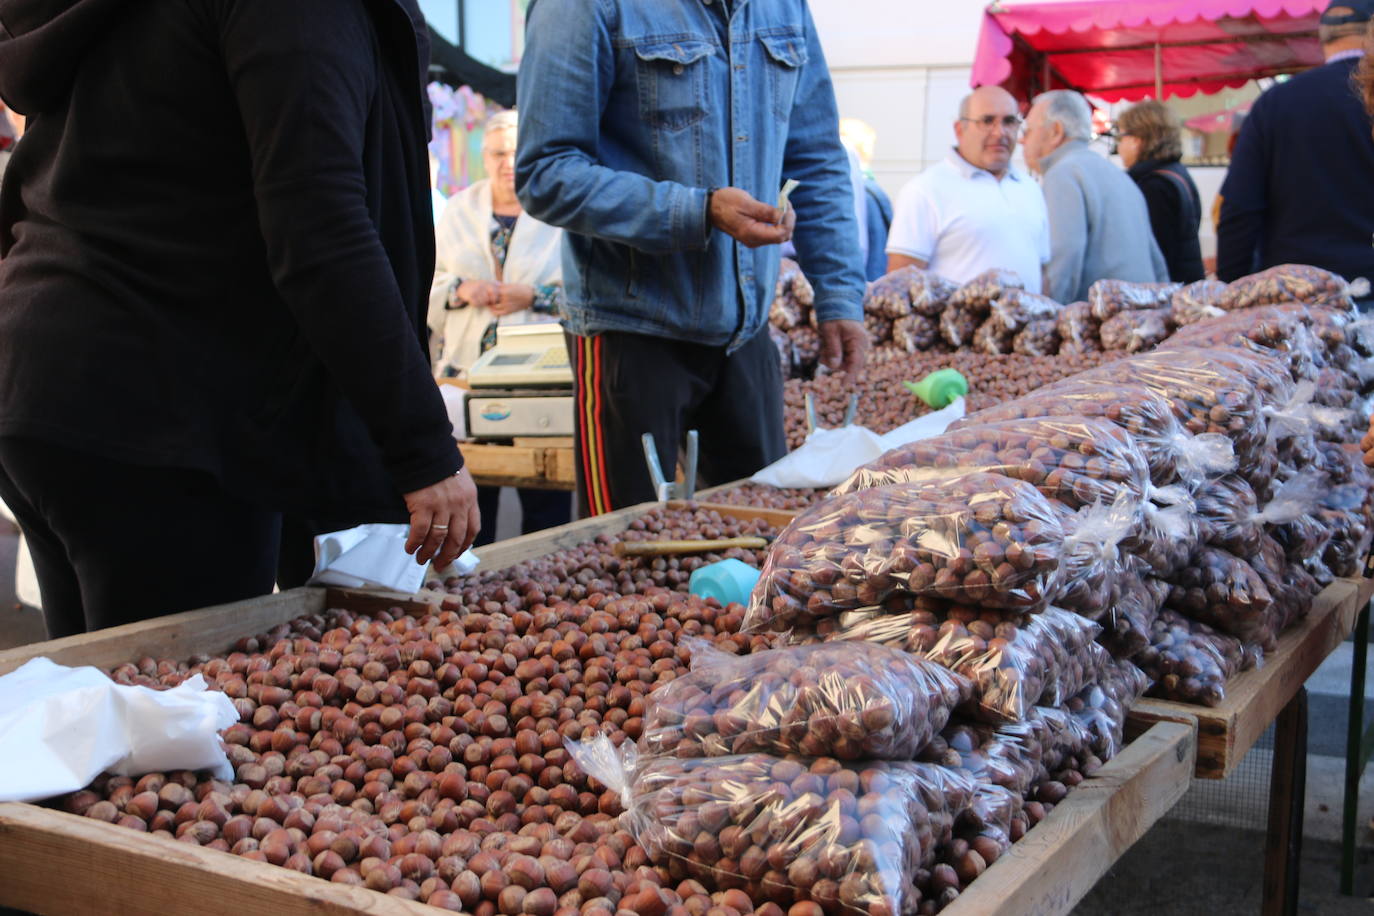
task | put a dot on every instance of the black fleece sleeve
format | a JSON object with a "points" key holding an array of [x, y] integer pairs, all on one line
{"points": [[305, 73]]}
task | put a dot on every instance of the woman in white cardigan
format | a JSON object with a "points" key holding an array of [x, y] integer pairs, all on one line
{"points": [[494, 265]]}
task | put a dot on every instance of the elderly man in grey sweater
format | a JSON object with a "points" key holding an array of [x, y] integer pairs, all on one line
{"points": [[1099, 224]]}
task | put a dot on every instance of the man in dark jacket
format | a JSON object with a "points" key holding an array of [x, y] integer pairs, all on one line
{"points": [[1301, 184], [216, 242]]}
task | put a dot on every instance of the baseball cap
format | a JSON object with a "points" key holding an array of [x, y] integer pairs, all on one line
{"points": [[1342, 12]]}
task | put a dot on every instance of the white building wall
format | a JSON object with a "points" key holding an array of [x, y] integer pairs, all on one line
{"points": [[901, 66]]}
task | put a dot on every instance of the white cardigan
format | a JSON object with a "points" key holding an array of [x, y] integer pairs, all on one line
{"points": [[463, 252]]}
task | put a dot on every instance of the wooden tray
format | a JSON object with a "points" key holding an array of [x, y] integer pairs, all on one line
{"points": [[1253, 698], [59, 863]]}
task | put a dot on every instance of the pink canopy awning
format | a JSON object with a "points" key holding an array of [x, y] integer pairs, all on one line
{"points": [[1123, 50], [1215, 121]]}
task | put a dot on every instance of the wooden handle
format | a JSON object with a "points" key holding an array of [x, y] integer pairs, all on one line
{"points": [[662, 548]]}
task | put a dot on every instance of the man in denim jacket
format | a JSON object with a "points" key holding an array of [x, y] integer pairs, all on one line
{"points": [[658, 133]]}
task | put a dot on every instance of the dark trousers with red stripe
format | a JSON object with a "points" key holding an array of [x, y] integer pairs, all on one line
{"points": [[631, 384]]}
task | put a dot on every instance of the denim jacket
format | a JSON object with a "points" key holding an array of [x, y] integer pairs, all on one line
{"points": [[631, 109]]}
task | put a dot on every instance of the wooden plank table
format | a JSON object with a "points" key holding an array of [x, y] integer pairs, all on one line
{"points": [[54, 862]]}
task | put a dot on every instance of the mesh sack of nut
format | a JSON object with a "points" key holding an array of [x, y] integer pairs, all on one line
{"points": [[848, 838], [1135, 331], [848, 700], [890, 294], [972, 538], [1108, 298], [1173, 455], [1195, 302], [915, 333], [1126, 627], [1223, 591], [1189, 661], [1015, 664], [1078, 329], [1037, 338], [1206, 398], [1287, 283]]}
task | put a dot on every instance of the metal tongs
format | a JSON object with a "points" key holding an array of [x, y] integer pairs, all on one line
{"points": [[812, 425], [663, 487]]}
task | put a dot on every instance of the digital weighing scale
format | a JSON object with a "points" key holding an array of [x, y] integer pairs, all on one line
{"points": [[522, 386]]}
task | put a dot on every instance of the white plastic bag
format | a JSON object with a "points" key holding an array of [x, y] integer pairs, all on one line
{"points": [[62, 727], [829, 456]]}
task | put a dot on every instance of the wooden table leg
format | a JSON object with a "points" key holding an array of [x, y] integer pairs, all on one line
{"points": [[1287, 794]]}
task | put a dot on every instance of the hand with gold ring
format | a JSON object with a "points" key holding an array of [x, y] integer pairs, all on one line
{"points": [[450, 503]]}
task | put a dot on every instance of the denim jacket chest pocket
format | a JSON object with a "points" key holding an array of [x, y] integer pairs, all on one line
{"points": [[671, 79], [783, 59]]}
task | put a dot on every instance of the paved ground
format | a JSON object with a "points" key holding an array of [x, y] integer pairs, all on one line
{"points": [[1206, 858]]}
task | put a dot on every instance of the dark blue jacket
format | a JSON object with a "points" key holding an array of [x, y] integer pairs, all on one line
{"points": [[1301, 184]]}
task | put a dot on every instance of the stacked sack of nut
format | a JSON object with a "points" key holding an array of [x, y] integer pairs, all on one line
{"points": [[974, 569], [829, 778]]}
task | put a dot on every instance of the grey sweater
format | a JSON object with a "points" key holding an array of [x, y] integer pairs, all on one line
{"points": [[1099, 224]]}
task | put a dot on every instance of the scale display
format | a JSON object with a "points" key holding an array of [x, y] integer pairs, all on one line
{"points": [[526, 355]]}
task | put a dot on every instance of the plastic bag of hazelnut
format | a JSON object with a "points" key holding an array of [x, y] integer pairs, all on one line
{"points": [[1135, 331], [1102, 706], [1196, 301], [1068, 757], [1037, 338], [1223, 591], [975, 538], [1189, 661], [978, 294], [1016, 663], [915, 333], [879, 329], [1108, 298], [1008, 755], [930, 292], [848, 700], [1287, 283], [1267, 371], [992, 338], [958, 325], [1206, 398], [1291, 599], [1173, 455], [1282, 335], [890, 294], [848, 838], [1073, 460], [1016, 308], [1078, 328], [792, 297], [1126, 626]]}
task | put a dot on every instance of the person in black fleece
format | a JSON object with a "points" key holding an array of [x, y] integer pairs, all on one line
{"points": [[1301, 184], [215, 249], [1149, 141]]}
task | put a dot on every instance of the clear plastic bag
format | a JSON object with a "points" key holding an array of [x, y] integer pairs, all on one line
{"points": [[1223, 591], [1126, 628], [1287, 283], [1016, 664], [1206, 398], [1189, 661], [978, 294], [1108, 298], [1196, 302], [915, 333], [792, 297], [930, 292], [1173, 455], [848, 700], [1073, 460], [849, 838], [973, 538], [879, 329], [1231, 518], [1292, 599], [1345, 516], [1008, 755], [890, 294], [1134, 331], [1078, 329], [1037, 338], [1281, 335], [1102, 706]]}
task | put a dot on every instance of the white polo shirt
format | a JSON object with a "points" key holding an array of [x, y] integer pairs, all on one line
{"points": [[961, 220]]}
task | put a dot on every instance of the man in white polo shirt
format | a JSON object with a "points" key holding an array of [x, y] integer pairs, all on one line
{"points": [[973, 211]]}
